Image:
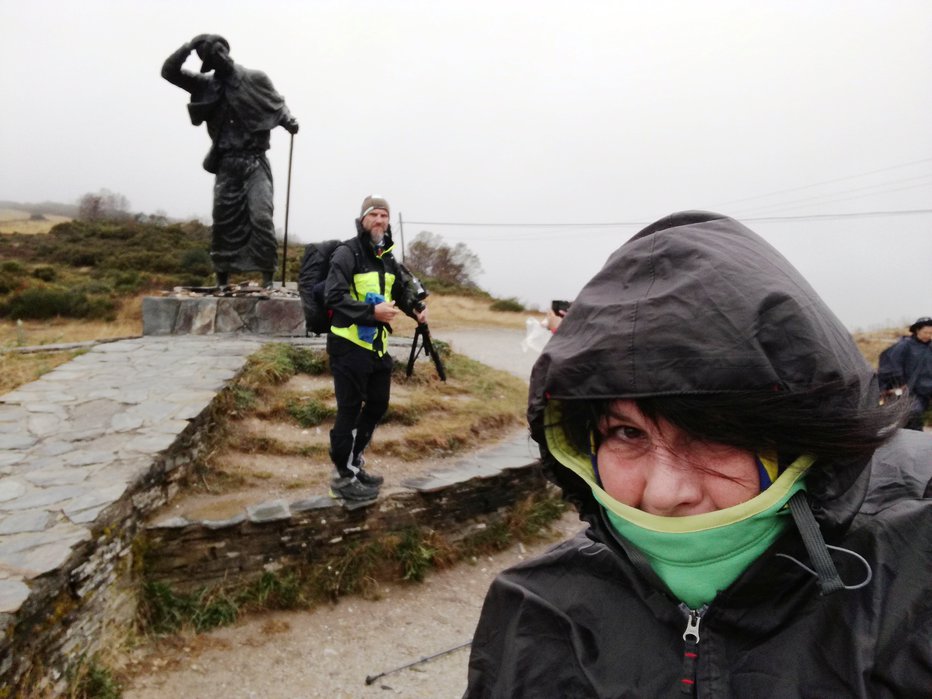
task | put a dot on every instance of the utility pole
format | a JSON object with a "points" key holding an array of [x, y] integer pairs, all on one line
{"points": [[401, 235]]}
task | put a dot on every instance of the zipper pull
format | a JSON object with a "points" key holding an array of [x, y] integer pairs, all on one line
{"points": [[691, 635], [690, 652]]}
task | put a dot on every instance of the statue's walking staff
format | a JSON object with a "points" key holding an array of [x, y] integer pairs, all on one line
{"points": [[287, 206]]}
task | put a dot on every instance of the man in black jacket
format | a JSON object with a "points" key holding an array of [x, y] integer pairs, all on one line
{"points": [[906, 367], [363, 286]]}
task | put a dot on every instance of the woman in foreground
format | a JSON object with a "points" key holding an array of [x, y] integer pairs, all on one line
{"points": [[758, 526]]}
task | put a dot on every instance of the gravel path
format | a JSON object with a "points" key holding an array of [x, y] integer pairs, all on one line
{"points": [[330, 651]]}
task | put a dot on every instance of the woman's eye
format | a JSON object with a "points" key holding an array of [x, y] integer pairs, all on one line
{"points": [[626, 433]]}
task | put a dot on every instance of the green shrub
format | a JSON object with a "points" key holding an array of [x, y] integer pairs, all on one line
{"points": [[128, 282], [196, 262], [508, 305], [9, 282], [94, 286], [12, 267], [42, 304], [79, 256], [44, 272]]}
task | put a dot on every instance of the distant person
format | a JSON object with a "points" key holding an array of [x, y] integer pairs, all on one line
{"points": [[365, 289], [240, 107], [906, 369], [758, 526]]}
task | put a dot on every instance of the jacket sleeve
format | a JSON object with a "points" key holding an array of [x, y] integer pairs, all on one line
{"points": [[891, 371], [337, 290]]}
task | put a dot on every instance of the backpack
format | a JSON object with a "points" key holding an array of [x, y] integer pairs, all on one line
{"points": [[315, 265]]}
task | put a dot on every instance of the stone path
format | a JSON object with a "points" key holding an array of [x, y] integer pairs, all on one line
{"points": [[75, 441]]}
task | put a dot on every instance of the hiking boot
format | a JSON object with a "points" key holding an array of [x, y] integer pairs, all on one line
{"points": [[350, 488], [366, 478], [370, 479]]}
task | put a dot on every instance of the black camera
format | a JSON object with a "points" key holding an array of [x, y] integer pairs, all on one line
{"points": [[415, 293], [560, 307]]}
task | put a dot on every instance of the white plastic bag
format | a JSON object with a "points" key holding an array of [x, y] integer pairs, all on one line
{"points": [[536, 336]]}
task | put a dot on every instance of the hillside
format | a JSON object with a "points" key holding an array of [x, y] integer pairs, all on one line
{"points": [[85, 281]]}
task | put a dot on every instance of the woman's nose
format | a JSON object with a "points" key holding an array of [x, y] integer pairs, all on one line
{"points": [[672, 488]]}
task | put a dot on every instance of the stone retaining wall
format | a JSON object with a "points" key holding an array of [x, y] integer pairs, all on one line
{"points": [[275, 535], [90, 599]]}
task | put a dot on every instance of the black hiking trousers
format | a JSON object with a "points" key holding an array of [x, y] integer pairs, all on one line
{"points": [[362, 383]]}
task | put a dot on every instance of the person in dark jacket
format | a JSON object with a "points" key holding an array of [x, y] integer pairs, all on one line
{"points": [[758, 526], [363, 286], [906, 369]]}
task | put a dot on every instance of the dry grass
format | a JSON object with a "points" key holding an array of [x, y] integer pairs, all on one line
{"points": [[873, 343], [18, 221], [449, 312], [19, 369], [28, 333]]}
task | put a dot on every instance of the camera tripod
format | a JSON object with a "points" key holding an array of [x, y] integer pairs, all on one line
{"points": [[423, 333]]}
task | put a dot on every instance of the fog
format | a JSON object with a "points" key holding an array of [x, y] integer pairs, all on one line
{"points": [[810, 121]]}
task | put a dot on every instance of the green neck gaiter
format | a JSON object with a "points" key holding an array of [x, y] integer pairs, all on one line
{"points": [[699, 555]]}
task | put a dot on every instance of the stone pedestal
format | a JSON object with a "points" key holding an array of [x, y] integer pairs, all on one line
{"points": [[172, 315]]}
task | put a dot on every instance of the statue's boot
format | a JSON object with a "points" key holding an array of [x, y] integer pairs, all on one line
{"points": [[267, 280]]}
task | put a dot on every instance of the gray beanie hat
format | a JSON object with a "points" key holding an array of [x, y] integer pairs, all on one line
{"points": [[373, 201]]}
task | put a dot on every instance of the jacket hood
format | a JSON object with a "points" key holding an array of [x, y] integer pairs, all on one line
{"points": [[696, 303]]}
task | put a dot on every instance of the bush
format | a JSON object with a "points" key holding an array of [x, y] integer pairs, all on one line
{"points": [[11, 276], [42, 304], [128, 282], [196, 263], [44, 272], [511, 305]]}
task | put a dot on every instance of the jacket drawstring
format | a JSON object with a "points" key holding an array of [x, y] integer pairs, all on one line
{"points": [[825, 571]]}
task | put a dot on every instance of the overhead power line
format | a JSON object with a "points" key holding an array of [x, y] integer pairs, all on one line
{"points": [[824, 182], [619, 224], [841, 195]]}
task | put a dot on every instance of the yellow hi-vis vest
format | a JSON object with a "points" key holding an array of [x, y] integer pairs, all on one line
{"points": [[362, 284]]}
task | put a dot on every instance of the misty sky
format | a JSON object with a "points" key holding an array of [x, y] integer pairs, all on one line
{"points": [[515, 112]]}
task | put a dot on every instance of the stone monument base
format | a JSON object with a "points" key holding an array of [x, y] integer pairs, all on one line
{"points": [[206, 315]]}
